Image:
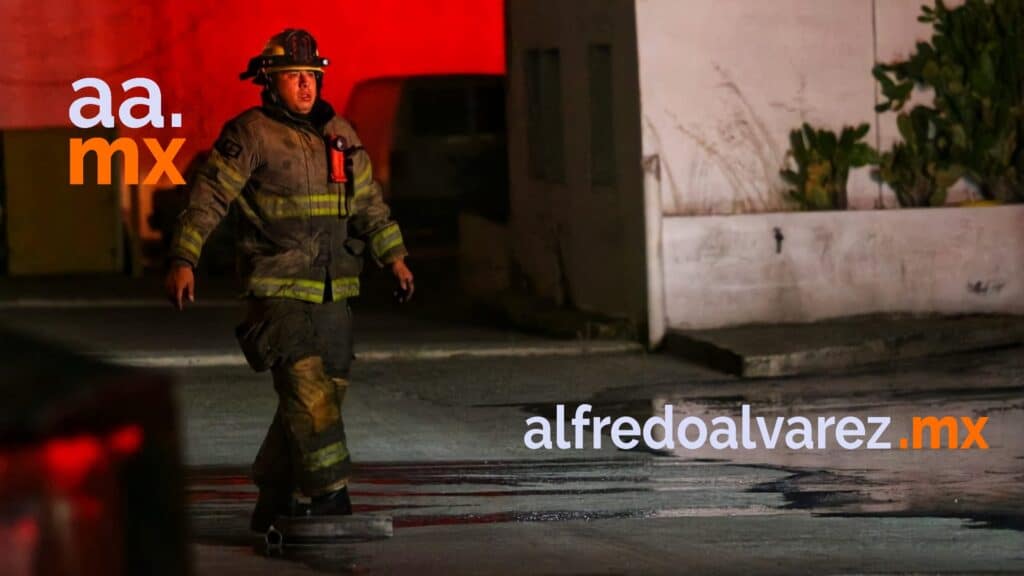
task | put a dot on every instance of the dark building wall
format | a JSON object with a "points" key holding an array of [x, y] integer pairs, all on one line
{"points": [[577, 210]]}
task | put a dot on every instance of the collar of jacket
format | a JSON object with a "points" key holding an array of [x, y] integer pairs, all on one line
{"points": [[318, 117]]}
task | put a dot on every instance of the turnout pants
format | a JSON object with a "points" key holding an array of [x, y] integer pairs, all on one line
{"points": [[308, 349]]}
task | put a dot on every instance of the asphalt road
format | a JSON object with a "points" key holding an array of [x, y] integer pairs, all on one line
{"points": [[439, 445]]}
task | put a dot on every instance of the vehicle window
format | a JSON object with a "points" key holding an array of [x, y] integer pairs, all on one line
{"points": [[440, 111]]}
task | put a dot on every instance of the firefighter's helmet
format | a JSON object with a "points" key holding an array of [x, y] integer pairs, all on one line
{"points": [[292, 49]]}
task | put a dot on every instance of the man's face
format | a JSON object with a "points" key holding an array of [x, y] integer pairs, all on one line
{"points": [[297, 89]]}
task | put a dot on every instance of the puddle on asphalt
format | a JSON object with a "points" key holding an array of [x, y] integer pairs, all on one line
{"points": [[985, 486], [982, 486], [419, 495], [446, 493]]}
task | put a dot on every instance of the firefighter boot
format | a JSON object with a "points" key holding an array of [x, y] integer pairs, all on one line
{"points": [[271, 504], [272, 472], [336, 503], [336, 500]]}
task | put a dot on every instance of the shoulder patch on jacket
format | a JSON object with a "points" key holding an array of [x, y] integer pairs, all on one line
{"points": [[228, 147]]}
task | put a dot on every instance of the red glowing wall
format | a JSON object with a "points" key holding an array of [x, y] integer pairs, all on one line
{"points": [[195, 50]]}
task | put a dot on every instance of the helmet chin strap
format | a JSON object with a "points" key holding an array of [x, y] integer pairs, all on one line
{"points": [[271, 94]]}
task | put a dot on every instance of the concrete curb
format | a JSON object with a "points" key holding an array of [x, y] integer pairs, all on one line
{"points": [[206, 359], [788, 350], [94, 303]]}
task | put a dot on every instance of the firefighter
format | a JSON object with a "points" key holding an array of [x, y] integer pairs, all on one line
{"points": [[310, 209]]}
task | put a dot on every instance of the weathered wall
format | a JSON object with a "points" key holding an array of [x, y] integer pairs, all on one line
{"points": [[726, 270], [722, 83], [573, 242]]}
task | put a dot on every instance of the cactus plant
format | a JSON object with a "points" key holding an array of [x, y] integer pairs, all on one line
{"points": [[975, 64], [823, 162], [919, 168]]}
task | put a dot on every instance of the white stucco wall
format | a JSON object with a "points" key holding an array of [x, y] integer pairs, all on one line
{"points": [[725, 270], [722, 82]]}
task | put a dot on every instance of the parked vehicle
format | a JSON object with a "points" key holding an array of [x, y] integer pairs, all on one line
{"points": [[438, 144]]}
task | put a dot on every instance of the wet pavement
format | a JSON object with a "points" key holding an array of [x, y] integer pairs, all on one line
{"points": [[439, 447]]}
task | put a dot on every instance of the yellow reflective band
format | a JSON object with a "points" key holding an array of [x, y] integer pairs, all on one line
{"points": [[362, 191], [295, 288], [292, 294], [300, 282], [302, 289], [322, 198], [329, 211], [192, 234], [345, 288], [390, 246], [364, 182], [228, 178], [190, 241], [365, 176], [269, 205], [311, 284], [325, 457], [243, 205], [188, 248], [302, 213], [386, 239], [300, 206]]}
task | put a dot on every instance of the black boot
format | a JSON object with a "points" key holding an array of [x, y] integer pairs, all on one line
{"points": [[270, 504], [335, 503]]}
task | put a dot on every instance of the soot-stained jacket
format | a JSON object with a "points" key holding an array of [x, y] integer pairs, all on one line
{"points": [[299, 227]]}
